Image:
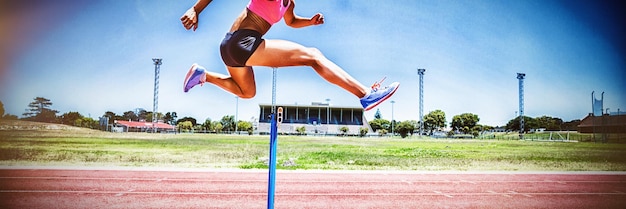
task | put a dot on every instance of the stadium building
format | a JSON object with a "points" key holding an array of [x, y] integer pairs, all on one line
{"points": [[317, 118]]}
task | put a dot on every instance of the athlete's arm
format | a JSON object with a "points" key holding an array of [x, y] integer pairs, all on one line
{"points": [[190, 18], [295, 21]]}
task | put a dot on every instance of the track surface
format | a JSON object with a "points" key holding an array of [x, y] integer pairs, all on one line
{"points": [[56, 188]]}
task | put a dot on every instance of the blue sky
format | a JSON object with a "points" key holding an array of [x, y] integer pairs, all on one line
{"points": [[95, 56]]}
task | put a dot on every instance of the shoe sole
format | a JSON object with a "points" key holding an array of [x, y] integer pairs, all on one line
{"points": [[382, 100], [189, 73]]}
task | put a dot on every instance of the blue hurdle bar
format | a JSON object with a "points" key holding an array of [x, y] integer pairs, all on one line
{"points": [[272, 170], [271, 183]]}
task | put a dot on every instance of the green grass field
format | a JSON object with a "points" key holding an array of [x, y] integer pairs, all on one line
{"points": [[68, 146]]}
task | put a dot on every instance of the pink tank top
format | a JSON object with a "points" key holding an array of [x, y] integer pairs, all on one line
{"points": [[270, 10]]}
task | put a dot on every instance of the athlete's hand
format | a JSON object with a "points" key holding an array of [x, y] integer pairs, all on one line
{"points": [[317, 19], [190, 19]]}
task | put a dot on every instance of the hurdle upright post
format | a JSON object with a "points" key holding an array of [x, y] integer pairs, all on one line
{"points": [[273, 145]]}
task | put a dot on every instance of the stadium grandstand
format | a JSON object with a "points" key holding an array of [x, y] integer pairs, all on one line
{"points": [[317, 118]]}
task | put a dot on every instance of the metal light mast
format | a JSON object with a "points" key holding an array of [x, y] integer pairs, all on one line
{"points": [[392, 119], [237, 114], [420, 72], [520, 77], [155, 101]]}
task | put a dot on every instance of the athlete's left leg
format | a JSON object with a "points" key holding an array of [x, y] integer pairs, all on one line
{"points": [[240, 82]]}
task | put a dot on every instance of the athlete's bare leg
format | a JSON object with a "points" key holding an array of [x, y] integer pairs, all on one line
{"points": [[240, 82], [281, 53]]}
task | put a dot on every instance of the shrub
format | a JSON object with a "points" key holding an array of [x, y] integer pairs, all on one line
{"points": [[301, 130], [344, 130], [363, 131]]}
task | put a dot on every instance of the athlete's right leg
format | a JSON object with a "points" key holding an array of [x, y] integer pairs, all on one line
{"points": [[281, 53]]}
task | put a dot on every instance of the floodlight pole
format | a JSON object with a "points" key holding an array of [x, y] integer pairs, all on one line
{"points": [[155, 101], [327, 113], [392, 120], [420, 72], [520, 77], [236, 114]]}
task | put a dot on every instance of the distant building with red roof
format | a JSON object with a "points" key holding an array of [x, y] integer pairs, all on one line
{"points": [[142, 126], [603, 124]]}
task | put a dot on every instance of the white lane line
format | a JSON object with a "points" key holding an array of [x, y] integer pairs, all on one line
{"points": [[523, 194], [122, 193], [434, 193], [565, 182], [466, 181], [199, 179], [441, 193], [496, 193]]}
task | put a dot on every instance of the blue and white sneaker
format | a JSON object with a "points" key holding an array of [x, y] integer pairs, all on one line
{"points": [[195, 76], [378, 95]]}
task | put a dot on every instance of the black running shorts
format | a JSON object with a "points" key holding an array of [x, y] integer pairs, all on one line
{"points": [[238, 46]]}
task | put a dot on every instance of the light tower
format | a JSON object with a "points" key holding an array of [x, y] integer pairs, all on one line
{"points": [[520, 77], [420, 72], [392, 119], [236, 114], [155, 101]]}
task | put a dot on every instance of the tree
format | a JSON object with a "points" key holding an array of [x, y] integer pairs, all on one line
{"points": [[228, 123], [142, 114], [404, 128], [207, 125], [377, 115], [379, 123], [245, 126], [190, 119], [1, 109], [529, 123], [198, 128], [393, 127], [6, 116], [10, 117], [464, 122], [88, 122], [549, 123], [480, 129], [185, 125], [571, 125], [70, 118], [170, 118], [78, 120], [148, 117], [434, 120], [112, 116], [217, 126], [130, 115], [39, 110]]}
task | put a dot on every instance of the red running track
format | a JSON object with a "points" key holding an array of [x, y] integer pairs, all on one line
{"points": [[56, 188]]}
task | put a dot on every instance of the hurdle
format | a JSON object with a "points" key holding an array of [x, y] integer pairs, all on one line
{"points": [[276, 117]]}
